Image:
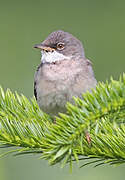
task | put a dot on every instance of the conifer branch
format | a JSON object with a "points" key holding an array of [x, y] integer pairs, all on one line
{"points": [[100, 113]]}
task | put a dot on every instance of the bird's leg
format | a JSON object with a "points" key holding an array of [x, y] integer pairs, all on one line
{"points": [[54, 121], [88, 138]]}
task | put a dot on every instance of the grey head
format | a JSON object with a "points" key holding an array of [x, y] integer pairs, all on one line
{"points": [[60, 45]]}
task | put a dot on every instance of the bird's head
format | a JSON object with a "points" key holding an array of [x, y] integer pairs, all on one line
{"points": [[60, 45]]}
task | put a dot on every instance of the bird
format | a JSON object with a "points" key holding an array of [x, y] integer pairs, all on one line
{"points": [[64, 72]]}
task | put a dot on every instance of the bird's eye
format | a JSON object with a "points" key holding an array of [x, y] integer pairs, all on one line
{"points": [[60, 46]]}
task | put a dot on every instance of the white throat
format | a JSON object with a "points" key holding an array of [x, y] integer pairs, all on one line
{"points": [[51, 57]]}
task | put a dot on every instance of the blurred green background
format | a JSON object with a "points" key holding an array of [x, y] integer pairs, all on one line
{"points": [[99, 24]]}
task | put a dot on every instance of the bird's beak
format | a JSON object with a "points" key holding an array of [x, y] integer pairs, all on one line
{"points": [[44, 48]]}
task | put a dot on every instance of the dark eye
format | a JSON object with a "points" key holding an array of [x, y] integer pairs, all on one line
{"points": [[60, 46]]}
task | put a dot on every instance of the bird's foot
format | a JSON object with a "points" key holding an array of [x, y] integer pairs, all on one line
{"points": [[88, 138]]}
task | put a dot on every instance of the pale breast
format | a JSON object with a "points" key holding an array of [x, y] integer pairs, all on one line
{"points": [[57, 83]]}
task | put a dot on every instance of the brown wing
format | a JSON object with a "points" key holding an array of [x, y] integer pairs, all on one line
{"points": [[89, 64], [35, 90]]}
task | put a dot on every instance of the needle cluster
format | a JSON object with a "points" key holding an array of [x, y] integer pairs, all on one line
{"points": [[24, 128]]}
